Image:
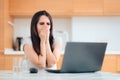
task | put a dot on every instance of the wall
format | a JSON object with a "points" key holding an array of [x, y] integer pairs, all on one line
{"points": [[62, 28], [94, 29], [21, 27], [97, 29]]}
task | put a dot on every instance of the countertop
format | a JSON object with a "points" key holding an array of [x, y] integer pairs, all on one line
{"points": [[12, 52], [43, 75]]}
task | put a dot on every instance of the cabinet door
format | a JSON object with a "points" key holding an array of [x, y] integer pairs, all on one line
{"points": [[118, 63], [5, 29], [2, 61], [22, 7], [111, 7], [59, 63], [1, 25], [29, 7], [110, 63], [6, 61], [1, 33], [9, 61], [88, 7], [55, 7]]}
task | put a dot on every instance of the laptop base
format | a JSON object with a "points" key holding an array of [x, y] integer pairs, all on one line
{"points": [[59, 71]]}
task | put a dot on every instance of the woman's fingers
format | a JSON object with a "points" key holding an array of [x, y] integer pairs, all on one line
{"points": [[43, 33]]}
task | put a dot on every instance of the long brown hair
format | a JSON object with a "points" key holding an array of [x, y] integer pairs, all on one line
{"points": [[34, 34]]}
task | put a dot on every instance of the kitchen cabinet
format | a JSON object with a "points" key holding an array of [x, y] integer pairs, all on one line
{"points": [[59, 63], [9, 61], [64, 8], [2, 61], [22, 8], [118, 63], [111, 63], [87, 7], [6, 61], [1, 25], [6, 31], [112, 7], [56, 7]]}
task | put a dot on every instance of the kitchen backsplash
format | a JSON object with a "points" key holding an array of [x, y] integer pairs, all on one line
{"points": [[92, 29], [22, 26], [62, 28]]}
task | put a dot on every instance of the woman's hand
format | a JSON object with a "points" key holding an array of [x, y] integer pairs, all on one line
{"points": [[44, 34], [47, 33]]}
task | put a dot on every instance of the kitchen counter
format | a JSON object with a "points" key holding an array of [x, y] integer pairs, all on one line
{"points": [[43, 75], [113, 52], [12, 52]]}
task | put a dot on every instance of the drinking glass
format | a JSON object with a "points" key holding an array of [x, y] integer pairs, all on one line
{"points": [[17, 65]]}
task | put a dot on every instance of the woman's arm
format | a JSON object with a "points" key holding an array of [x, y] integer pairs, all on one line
{"points": [[52, 57], [39, 61], [42, 56]]}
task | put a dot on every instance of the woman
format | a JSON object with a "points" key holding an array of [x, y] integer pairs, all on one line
{"points": [[45, 50]]}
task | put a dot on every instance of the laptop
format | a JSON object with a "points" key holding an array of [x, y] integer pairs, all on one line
{"points": [[82, 57]]}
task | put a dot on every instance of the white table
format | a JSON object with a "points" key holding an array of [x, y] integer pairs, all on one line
{"points": [[43, 75]]}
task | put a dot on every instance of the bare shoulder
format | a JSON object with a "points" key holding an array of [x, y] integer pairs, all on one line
{"points": [[27, 48]]}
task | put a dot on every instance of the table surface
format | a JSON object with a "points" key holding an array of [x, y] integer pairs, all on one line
{"points": [[43, 75]]}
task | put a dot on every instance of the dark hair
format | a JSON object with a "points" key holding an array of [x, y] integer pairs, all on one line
{"points": [[34, 34]]}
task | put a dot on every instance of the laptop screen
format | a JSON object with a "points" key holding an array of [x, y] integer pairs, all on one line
{"points": [[83, 56]]}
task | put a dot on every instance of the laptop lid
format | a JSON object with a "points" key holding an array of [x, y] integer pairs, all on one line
{"points": [[83, 57]]}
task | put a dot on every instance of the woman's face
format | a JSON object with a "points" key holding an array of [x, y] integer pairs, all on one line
{"points": [[43, 22]]}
